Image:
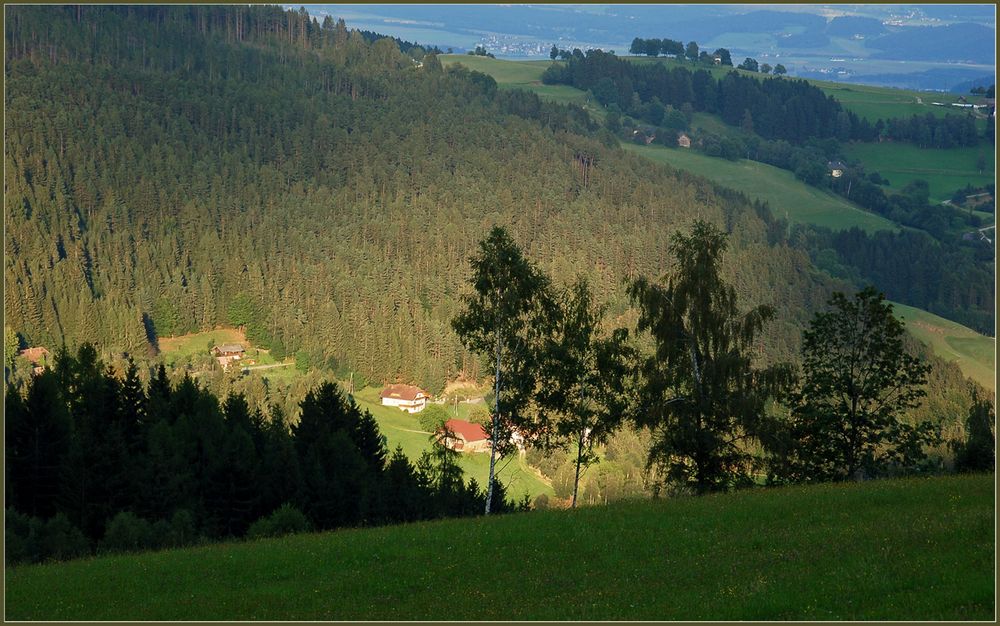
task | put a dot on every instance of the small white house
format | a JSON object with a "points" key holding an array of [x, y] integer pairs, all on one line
{"points": [[407, 397]]}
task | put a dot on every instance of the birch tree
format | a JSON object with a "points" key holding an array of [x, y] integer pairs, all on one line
{"points": [[503, 320], [700, 391], [585, 376]]}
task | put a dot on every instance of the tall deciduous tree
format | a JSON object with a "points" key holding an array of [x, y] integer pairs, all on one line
{"points": [[700, 391], [857, 381], [503, 320], [584, 376]]}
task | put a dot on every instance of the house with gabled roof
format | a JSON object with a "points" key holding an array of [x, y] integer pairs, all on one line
{"points": [[407, 398], [463, 436]]}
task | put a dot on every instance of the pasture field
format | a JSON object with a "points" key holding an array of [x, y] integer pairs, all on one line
{"points": [[177, 350], [526, 75], [974, 354], [403, 429], [916, 549], [786, 195], [944, 170]]}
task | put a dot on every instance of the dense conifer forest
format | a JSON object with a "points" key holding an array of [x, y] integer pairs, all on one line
{"points": [[173, 169]]}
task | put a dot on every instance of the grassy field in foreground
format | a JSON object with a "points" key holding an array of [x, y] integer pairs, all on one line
{"points": [[918, 549], [974, 354], [401, 428], [944, 170], [787, 196]]}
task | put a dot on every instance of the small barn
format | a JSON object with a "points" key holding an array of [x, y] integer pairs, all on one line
{"points": [[836, 168], [227, 353], [407, 398], [683, 141], [463, 436]]}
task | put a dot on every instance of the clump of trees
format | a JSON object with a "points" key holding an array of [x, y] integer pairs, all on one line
{"points": [[97, 461], [703, 392]]}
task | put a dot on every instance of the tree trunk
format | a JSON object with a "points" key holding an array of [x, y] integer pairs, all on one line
{"points": [[579, 459], [496, 422]]}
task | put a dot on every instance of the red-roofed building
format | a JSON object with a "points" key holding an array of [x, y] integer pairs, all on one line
{"points": [[463, 436], [38, 357], [407, 397]]}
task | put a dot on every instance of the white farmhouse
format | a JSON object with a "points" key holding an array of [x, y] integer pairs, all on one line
{"points": [[407, 397]]}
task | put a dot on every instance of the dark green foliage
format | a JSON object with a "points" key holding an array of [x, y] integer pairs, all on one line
{"points": [[857, 381], [173, 466], [286, 520], [504, 320], [584, 377], [700, 391], [127, 532], [978, 452], [792, 110]]}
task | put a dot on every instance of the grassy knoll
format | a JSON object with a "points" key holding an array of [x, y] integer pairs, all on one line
{"points": [[786, 195], [403, 429], [974, 354], [918, 549], [944, 170], [525, 75]]}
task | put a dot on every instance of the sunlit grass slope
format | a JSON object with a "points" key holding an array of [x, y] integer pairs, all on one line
{"points": [[786, 195], [920, 549], [974, 354], [403, 429]]}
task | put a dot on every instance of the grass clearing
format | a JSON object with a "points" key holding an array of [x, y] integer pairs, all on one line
{"points": [[944, 170], [786, 195], [403, 429], [917, 549], [974, 354], [526, 75], [178, 348]]}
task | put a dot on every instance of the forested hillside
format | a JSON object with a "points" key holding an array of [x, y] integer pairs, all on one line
{"points": [[170, 169]]}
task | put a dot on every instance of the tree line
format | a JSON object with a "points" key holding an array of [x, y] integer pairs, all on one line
{"points": [[793, 110], [699, 382], [97, 461]]}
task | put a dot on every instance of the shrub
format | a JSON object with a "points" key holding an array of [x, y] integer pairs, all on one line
{"points": [[286, 520], [22, 538], [432, 417], [62, 540], [127, 532]]}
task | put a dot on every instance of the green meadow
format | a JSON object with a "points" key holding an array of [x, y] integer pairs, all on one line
{"points": [[974, 354], [915, 549], [403, 429], [525, 75], [944, 170], [787, 196]]}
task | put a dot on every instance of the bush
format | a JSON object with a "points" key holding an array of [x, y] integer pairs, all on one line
{"points": [[432, 417], [182, 530], [62, 540], [127, 532], [22, 538], [286, 520]]}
